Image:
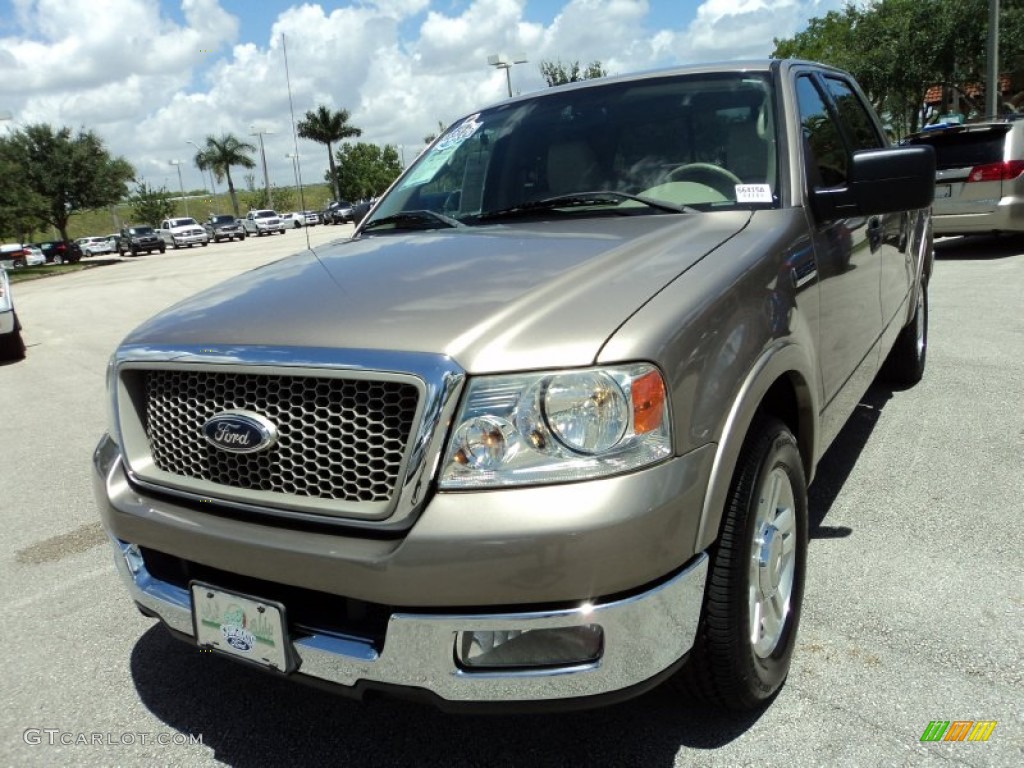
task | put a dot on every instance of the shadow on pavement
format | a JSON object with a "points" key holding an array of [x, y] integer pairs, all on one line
{"points": [[251, 718], [836, 465], [979, 247]]}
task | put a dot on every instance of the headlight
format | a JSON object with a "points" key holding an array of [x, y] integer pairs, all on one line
{"points": [[523, 429]]}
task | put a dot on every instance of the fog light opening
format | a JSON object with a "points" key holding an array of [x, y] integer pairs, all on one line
{"points": [[132, 557], [506, 649]]}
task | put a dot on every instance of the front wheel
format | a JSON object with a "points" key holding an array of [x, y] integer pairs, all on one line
{"points": [[12, 347], [755, 585], [905, 365]]}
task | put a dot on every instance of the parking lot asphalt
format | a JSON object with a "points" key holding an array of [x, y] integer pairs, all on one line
{"points": [[914, 608]]}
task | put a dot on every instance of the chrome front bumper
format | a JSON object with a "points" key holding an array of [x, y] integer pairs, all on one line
{"points": [[644, 635]]}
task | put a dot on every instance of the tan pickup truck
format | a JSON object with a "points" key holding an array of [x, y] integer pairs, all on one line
{"points": [[540, 432]]}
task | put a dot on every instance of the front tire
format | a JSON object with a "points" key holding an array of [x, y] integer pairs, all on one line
{"points": [[904, 366], [12, 347], [755, 585]]}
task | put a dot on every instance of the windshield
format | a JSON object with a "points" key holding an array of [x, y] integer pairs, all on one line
{"points": [[182, 222], [703, 142], [265, 214], [141, 231], [223, 219]]}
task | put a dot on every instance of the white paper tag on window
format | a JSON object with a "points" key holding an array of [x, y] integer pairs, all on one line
{"points": [[753, 193]]}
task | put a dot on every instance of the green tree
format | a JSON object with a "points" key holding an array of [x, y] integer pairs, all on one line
{"points": [[220, 154], [150, 205], [326, 127], [63, 172], [898, 49], [557, 73], [22, 210], [365, 170]]}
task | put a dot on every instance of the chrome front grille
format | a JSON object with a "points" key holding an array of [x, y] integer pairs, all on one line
{"points": [[340, 439]]}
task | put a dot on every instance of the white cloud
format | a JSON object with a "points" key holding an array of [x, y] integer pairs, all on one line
{"points": [[148, 84]]}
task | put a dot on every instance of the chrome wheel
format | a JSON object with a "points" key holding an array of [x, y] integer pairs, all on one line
{"points": [[772, 562]]}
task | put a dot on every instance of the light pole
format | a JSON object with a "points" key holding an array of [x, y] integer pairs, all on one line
{"points": [[181, 184], [213, 185], [263, 156], [295, 168], [502, 61]]}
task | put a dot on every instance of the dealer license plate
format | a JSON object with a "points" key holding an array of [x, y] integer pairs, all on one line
{"points": [[944, 190], [241, 626]]}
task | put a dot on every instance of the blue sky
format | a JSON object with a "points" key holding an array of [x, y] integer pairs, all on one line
{"points": [[151, 75]]}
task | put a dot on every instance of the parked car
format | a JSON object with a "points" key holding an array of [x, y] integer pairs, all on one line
{"points": [[11, 345], [979, 179], [17, 255], [182, 232], [359, 210], [541, 430], [224, 226], [263, 222], [60, 252], [139, 239], [299, 219], [337, 212], [95, 246]]}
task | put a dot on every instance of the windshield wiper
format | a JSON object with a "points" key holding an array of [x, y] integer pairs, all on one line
{"points": [[422, 219], [581, 200]]}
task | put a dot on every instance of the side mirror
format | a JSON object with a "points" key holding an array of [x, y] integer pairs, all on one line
{"points": [[880, 181]]}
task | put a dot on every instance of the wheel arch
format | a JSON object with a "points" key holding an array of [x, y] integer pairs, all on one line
{"points": [[780, 385]]}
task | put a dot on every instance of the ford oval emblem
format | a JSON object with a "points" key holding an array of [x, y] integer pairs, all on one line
{"points": [[240, 432]]}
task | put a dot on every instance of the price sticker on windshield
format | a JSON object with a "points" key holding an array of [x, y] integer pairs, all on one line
{"points": [[753, 193]]}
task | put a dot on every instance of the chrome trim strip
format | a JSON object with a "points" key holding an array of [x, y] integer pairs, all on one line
{"points": [[643, 635], [438, 378]]}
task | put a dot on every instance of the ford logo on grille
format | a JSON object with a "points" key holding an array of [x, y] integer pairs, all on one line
{"points": [[240, 432]]}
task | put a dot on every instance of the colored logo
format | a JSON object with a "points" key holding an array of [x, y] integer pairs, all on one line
{"points": [[239, 432], [958, 730]]}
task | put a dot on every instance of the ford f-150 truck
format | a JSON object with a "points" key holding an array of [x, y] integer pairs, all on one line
{"points": [[541, 430]]}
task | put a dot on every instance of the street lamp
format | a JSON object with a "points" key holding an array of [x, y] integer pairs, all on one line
{"points": [[501, 61], [295, 167], [213, 185], [263, 156], [181, 184]]}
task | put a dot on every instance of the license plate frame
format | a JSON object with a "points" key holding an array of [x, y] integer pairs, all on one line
{"points": [[244, 627]]}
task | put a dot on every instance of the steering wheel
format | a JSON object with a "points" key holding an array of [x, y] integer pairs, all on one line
{"points": [[708, 174]]}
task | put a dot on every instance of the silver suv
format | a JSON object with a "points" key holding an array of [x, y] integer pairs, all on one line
{"points": [[979, 179]]}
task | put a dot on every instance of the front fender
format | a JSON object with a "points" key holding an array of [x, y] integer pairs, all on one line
{"points": [[783, 361]]}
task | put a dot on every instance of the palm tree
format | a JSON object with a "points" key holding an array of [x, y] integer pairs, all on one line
{"points": [[220, 154], [326, 127]]}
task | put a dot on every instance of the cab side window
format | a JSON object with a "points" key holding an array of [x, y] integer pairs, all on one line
{"points": [[824, 150], [855, 119]]}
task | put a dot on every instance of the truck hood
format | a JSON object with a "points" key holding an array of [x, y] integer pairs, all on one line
{"points": [[500, 298]]}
